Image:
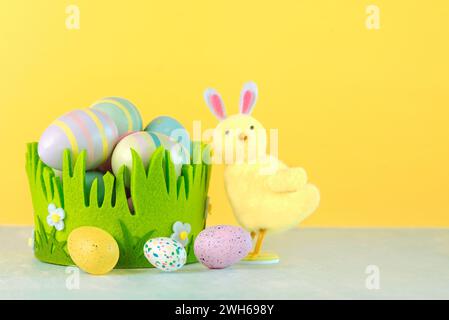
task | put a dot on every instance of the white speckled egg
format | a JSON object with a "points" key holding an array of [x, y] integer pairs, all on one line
{"points": [[165, 254]]}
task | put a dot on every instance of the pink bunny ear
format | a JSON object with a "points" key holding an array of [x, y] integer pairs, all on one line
{"points": [[248, 98], [215, 104]]}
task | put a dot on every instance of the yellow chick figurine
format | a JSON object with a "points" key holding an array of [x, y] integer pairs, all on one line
{"points": [[265, 194]]}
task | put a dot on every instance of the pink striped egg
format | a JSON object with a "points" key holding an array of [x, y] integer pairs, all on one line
{"points": [[78, 130]]}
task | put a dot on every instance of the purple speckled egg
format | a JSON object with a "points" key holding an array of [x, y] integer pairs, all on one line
{"points": [[220, 246]]}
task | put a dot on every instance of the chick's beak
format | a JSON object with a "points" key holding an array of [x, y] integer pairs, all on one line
{"points": [[243, 136]]}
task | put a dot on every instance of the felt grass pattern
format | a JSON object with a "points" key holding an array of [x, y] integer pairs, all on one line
{"points": [[189, 247], [131, 249], [160, 198], [46, 245]]}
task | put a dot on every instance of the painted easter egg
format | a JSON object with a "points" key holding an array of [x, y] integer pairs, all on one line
{"points": [[165, 254], [145, 143], [87, 129], [170, 127], [107, 165], [90, 177], [220, 246], [93, 250], [142, 143], [122, 112]]}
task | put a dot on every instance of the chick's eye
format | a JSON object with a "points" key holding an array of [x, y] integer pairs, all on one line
{"points": [[251, 127], [227, 132]]}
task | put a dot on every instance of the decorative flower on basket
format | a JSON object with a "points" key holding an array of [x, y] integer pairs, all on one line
{"points": [[181, 232], [55, 217]]}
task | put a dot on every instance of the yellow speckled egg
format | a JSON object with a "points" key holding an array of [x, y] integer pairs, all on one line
{"points": [[93, 250]]}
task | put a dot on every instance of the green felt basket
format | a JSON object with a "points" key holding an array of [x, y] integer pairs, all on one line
{"points": [[160, 199]]}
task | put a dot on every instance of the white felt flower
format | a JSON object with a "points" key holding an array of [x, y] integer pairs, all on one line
{"points": [[55, 217], [181, 232]]}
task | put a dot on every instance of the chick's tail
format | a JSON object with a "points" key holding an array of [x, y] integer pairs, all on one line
{"points": [[308, 198]]}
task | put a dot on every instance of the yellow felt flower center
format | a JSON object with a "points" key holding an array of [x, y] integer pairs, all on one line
{"points": [[183, 235], [55, 218]]}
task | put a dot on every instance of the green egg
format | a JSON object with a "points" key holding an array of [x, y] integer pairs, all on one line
{"points": [[90, 178]]}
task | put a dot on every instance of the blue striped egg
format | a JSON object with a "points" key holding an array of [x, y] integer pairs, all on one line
{"points": [[170, 127], [87, 129], [122, 111], [145, 143]]}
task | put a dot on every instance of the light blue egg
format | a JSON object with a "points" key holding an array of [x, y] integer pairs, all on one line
{"points": [[170, 127]]}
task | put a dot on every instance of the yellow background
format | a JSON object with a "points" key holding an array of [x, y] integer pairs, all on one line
{"points": [[366, 112]]}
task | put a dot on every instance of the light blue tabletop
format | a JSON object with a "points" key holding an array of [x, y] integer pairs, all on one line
{"points": [[315, 264]]}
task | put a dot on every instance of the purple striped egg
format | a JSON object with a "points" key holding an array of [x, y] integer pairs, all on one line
{"points": [[78, 130]]}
